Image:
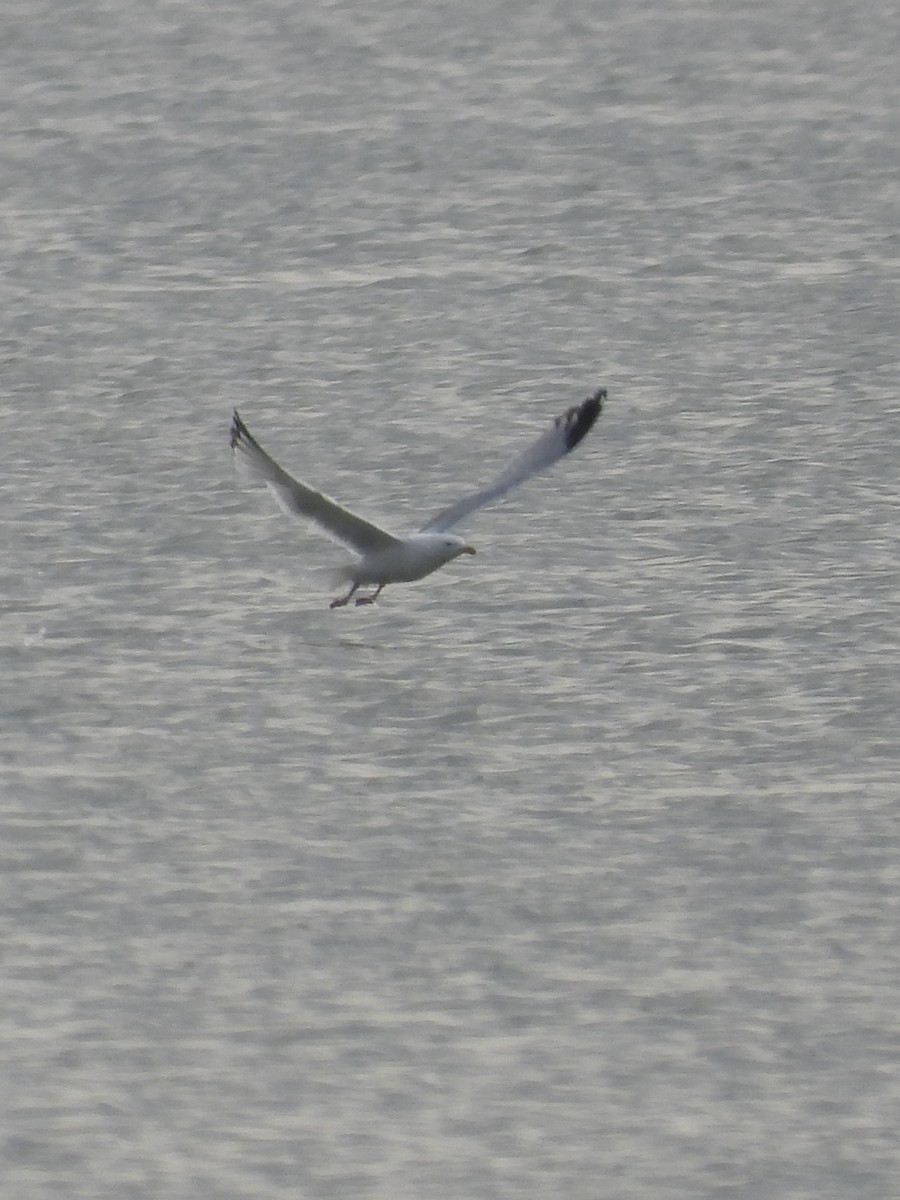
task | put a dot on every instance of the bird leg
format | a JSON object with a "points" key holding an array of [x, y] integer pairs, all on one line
{"points": [[342, 600], [370, 599]]}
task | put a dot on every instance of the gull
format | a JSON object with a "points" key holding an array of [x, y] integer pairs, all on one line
{"points": [[383, 558]]}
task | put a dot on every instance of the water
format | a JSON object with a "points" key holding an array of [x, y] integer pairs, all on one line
{"points": [[572, 870]]}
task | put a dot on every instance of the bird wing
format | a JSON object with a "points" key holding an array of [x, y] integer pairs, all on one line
{"points": [[296, 498], [564, 435]]}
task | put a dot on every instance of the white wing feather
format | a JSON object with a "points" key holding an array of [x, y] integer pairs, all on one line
{"points": [[563, 436], [302, 501]]}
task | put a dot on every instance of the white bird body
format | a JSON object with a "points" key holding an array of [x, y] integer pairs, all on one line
{"points": [[413, 558], [382, 557]]}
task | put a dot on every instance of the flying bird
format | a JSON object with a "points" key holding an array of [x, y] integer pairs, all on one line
{"points": [[383, 558]]}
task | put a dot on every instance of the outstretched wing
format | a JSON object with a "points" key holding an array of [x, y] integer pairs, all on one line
{"points": [[295, 497], [563, 436]]}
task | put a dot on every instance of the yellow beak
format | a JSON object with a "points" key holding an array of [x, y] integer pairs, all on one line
{"points": [[468, 550]]}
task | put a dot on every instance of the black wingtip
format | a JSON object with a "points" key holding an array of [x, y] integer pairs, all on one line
{"points": [[238, 429], [580, 420]]}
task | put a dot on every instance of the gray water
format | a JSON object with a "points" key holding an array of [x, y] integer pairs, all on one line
{"points": [[571, 871]]}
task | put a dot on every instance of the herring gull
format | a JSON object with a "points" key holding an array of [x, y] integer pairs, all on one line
{"points": [[382, 557]]}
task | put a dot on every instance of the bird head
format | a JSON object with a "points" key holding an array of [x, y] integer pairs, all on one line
{"points": [[452, 546], [456, 546]]}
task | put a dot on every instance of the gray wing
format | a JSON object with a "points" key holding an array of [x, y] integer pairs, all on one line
{"points": [[564, 435], [296, 498]]}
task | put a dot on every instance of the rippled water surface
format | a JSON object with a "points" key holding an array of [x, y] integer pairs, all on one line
{"points": [[571, 871]]}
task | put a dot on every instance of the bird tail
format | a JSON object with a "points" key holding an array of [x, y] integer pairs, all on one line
{"points": [[346, 573]]}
